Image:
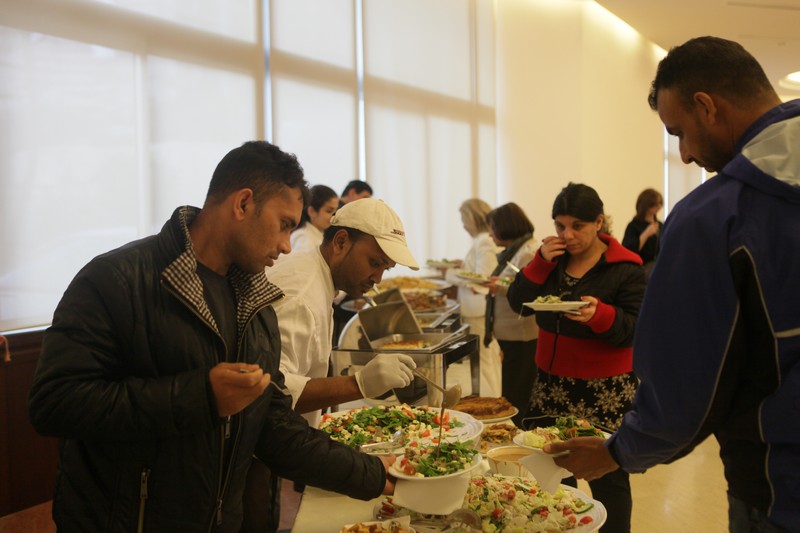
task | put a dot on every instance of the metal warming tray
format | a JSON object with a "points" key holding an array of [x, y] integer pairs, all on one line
{"points": [[436, 340]]}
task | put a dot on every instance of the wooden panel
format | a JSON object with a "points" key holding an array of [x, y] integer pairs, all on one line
{"points": [[28, 461]]}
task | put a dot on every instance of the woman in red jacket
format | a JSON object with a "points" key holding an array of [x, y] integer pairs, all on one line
{"points": [[585, 360]]}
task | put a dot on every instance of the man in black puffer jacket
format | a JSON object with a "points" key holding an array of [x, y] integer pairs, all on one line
{"points": [[156, 371]]}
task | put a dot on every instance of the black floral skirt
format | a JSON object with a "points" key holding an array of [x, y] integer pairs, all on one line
{"points": [[602, 401]]}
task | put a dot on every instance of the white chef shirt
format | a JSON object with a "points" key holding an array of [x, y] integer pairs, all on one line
{"points": [[304, 239], [305, 319]]}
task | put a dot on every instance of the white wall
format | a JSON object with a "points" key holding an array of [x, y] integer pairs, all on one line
{"points": [[572, 84]]}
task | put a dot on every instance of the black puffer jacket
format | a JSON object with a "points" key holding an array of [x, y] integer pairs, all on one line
{"points": [[123, 378]]}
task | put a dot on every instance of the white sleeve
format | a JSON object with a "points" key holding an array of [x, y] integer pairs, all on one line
{"points": [[298, 342]]}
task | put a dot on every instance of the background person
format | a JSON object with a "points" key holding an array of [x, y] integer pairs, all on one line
{"points": [[155, 372], [322, 204], [641, 234], [481, 259], [585, 360], [511, 230], [355, 190], [718, 339]]}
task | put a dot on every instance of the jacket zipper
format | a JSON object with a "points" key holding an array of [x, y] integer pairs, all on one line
{"points": [[145, 475], [225, 431]]}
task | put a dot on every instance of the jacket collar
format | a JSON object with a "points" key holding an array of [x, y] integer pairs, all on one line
{"points": [[253, 291], [617, 253]]}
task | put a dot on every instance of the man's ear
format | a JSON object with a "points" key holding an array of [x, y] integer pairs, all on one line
{"points": [[242, 202], [706, 107], [341, 239]]}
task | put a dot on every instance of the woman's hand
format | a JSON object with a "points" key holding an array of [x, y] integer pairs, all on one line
{"points": [[552, 247], [586, 312]]}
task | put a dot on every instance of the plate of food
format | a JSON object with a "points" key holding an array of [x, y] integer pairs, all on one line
{"points": [[509, 503], [377, 424], [435, 462], [487, 410], [410, 282], [555, 304], [499, 434], [443, 263], [473, 277], [565, 428]]}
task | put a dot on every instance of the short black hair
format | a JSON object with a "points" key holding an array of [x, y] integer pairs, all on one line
{"points": [[711, 65], [509, 222], [352, 233], [260, 166], [358, 186]]}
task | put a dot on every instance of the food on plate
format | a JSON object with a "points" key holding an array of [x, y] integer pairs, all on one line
{"points": [[518, 504], [436, 460], [511, 503], [405, 345], [498, 434], [368, 425], [472, 276], [443, 263], [425, 300], [548, 299], [565, 428], [407, 282], [486, 408], [504, 282], [393, 527]]}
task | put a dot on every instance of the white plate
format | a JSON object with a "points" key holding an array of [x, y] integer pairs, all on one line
{"points": [[442, 263], [556, 307], [514, 413], [598, 512], [476, 462], [519, 441], [480, 279]]}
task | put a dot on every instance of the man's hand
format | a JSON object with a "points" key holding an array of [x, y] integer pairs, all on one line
{"points": [[387, 460], [236, 385], [588, 457], [384, 372]]}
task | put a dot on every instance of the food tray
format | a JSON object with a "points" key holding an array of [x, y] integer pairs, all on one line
{"points": [[436, 340]]}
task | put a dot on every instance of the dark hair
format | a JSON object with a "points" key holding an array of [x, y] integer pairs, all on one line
{"points": [[358, 186], [579, 201], [647, 199], [352, 233], [260, 166], [318, 196], [710, 65], [509, 222]]}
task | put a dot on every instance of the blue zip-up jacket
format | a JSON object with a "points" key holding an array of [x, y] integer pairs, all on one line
{"points": [[717, 344]]}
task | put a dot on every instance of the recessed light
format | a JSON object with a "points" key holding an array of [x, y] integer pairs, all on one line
{"points": [[791, 81]]}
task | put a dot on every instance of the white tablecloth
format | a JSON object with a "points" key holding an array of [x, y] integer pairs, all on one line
{"points": [[327, 512]]}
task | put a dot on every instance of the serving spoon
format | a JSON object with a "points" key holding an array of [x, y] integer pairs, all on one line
{"points": [[450, 396]]}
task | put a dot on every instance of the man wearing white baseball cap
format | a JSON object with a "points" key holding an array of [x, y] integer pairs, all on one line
{"points": [[366, 238]]}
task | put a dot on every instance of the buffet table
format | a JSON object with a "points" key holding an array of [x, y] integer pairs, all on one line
{"points": [[327, 512]]}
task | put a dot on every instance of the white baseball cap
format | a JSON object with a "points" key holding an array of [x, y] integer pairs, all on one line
{"points": [[374, 217]]}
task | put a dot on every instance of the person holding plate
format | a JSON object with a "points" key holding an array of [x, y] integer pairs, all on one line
{"points": [[584, 356], [511, 229]]}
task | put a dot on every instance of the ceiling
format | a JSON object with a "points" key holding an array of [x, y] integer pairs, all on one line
{"points": [[768, 29]]}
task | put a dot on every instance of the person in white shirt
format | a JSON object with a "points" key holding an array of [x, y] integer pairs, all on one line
{"points": [[366, 238], [481, 259], [322, 204]]}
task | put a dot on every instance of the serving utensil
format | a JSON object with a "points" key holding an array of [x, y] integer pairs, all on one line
{"points": [[513, 267], [450, 396], [398, 439]]}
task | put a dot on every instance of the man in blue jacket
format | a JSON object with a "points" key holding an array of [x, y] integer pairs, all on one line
{"points": [[717, 345], [159, 370]]}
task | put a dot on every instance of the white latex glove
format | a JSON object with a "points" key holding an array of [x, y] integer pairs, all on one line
{"points": [[385, 371]]}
